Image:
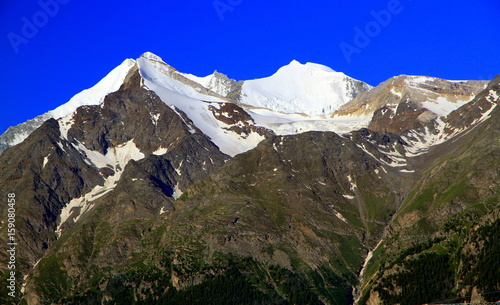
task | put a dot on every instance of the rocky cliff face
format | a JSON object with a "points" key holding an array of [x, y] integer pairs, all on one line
{"points": [[133, 200]]}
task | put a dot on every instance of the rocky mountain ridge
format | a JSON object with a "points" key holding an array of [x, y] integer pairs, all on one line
{"points": [[170, 187]]}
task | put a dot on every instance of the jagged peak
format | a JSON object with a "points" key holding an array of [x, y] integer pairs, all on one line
{"points": [[151, 56], [157, 61]]}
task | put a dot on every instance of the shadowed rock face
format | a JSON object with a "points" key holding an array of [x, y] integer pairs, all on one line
{"points": [[130, 113], [406, 116], [44, 172], [469, 114]]}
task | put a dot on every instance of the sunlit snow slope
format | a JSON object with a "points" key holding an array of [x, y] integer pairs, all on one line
{"points": [[309, 88]]}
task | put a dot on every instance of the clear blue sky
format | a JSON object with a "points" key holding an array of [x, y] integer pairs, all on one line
{"points": [[73, 47]]}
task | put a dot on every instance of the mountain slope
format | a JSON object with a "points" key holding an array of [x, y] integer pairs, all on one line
{"points": [[64, 168], [311, 226], [168, 188], [449, 212]]}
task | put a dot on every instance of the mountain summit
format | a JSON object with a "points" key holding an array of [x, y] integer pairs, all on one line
{"points": [[309, 89], [306, 187]]}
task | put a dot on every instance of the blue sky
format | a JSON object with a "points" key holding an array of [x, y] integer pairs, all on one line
{"points": [[53, 49]]}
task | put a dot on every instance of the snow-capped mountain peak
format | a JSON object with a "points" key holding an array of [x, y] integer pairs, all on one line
{"points": [[310, 89], [219, 83], [92, 96], [96, 94], [297, 66], [297, 98], [152, 57]]}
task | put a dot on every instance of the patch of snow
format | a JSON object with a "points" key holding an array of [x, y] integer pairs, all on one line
{"points": [[395, 160], [420, 143], [160, 151], [178, 169], [493, 96], [406, 171], [65, 124], [154, 118], [442, 106], [191, 127], [116, 158], [417, 80], [45, 161], [19, 137], [162, 211], [398, 94], [348, 196], [210, 82], [353, 184], [339, 216], [177, 192], [484, 116]]}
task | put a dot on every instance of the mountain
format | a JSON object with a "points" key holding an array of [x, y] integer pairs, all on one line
{"points": [[307, 187], [310, 89], [92, 96], [446, 229], [332, 90]]}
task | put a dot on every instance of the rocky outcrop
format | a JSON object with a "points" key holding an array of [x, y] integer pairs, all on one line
{"points": [[238, 120]]}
